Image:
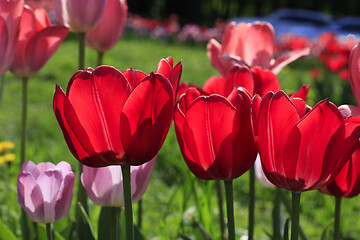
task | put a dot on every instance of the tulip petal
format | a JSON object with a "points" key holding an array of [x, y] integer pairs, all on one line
{"points": [[314, 148], [49, 183], [354, 70], [259, 44], [209, 147], [287, 58], [42, 46], [145, 118], [276, 116], [95, 98], [142, 177], [264, 81], [134, 76], [64, 196], [215, 85], [239, 76]]}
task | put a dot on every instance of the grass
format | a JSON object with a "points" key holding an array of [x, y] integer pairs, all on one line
{"points": [[175, 200]]}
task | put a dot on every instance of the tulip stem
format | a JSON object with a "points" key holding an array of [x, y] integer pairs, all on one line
{"points": [[25, 81], [128, 202], [24, 225], [81, 51], [251, 204], [100, 58], [2, 86], [295, 212], [221, 210], [277, 214], [230, 208], [337, 218], [139, 214], [49, 232]]}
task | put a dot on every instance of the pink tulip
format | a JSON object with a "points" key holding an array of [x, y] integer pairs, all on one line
{"points": [[38, 41], [104, 186], [45, 190], [79, 15], [107, 33], [10, 15], [251, 44]]}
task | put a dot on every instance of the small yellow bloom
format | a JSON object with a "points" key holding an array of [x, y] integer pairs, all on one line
{"points": [[6, 145]]}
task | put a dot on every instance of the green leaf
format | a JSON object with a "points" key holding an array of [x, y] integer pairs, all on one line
{"points": [[86, 226], [6, 234], [286, 229], [325, 233]]}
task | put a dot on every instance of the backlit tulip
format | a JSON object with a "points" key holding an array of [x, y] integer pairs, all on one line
{"points": [[113, 118], [301, 148], [10, 16], [45, 190], [79, 15], [251, 44], [107, 33], [214, 134], [104, 186], [354, 70], [38, 41]]}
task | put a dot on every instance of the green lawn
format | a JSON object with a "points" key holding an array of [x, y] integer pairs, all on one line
{"points": [[175, 199]]}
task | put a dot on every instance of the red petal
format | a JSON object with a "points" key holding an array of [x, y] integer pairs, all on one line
{"points": [[207, 135], [239, 76], [215, 85], [354, 70], [97, 99], [145, 119], [134, 76], [264, 81]]}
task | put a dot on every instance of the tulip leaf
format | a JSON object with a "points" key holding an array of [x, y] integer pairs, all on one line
{"points": [[6, 233], [286, 229], [86, 221], [325, 233], [106, 222]]}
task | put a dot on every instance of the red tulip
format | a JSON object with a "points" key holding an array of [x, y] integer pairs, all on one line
{"points": [[113, 118], [10, 16], [354, 72], [214, 134], [108, 32], [301, 148], [38, 41], [251, 44], [79, 15], [347, 182]]}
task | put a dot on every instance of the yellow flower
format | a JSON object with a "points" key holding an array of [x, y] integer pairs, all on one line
{"points": [[6, 145], [9, 157]]}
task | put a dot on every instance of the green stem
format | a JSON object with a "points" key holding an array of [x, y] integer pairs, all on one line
{"points": [[221, 210], [81, 37], [251, 205], [230, 208], [277, 214], [287, 205], [128, 202], [49, 232], [139, 214], [25, 81], [24, 225], [100, 58], [295, 212], [2, 87], [337, 218]]}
